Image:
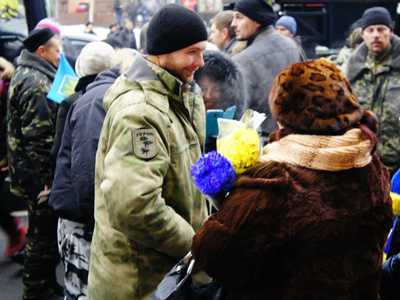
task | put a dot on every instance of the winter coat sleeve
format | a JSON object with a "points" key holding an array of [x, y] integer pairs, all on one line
{"points": [[37, 127], [245, 229], [133, 187], [60, 124], [72, 194], [85, 138], [62, 198]]}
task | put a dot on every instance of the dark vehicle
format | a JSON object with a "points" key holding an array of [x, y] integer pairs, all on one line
{"points": [[326, 22], [12, 33], [73, 43]]}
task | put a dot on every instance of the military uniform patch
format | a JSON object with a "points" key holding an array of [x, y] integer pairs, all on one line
{"points": [[144, 143]]}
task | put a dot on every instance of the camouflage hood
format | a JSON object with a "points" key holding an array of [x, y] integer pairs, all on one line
{"points": [[31, 60], [377, 87], [152, 78], [359, 57]]}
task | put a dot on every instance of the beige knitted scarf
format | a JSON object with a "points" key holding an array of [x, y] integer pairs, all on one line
{"points": [[328, 153]]}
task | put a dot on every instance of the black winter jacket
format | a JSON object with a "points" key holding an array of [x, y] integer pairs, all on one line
{"points": [[72, 195], [62, 113]]}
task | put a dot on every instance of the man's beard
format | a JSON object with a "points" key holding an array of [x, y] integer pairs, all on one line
{"points": [[179, 76]]}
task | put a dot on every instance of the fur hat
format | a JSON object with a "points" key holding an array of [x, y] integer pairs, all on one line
{"points": [[314, 97], [221, 69]]}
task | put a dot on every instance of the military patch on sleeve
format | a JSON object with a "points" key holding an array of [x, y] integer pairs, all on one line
{"points": [[144, 143]]}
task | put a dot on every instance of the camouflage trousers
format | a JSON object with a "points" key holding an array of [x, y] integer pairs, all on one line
{"points": [[7, 222], [39, 275], [74, 246]]}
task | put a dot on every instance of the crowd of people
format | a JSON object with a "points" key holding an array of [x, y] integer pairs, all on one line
{"points": [[106, 174]]}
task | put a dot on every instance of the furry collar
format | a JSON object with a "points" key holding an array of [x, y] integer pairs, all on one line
{"points": [[357, 62], [326, 153]]}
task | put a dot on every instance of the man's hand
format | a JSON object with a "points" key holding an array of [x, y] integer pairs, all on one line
{"points": [[6, 69], [44, 195]]}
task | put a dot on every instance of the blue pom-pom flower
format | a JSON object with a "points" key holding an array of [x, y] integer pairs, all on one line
{"points": [[213, 174], [396, 183]]}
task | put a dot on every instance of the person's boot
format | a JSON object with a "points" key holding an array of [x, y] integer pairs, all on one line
{"points": [[16, 239]]}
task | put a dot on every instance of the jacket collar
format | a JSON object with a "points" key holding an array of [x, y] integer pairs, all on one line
{"points": [[154, 78], [260, 34], [161, 80], [84, 82], [358, 61], [31, 60], [228, 47]]}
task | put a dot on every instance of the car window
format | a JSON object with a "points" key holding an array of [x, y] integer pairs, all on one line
{"points": [[12, 17], [72, 47], [13, 28]]}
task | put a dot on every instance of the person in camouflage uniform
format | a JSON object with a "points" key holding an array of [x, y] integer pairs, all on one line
{"points": [[352, 42], [30, 129], [147, 207], [374, 73], [16, 232]]}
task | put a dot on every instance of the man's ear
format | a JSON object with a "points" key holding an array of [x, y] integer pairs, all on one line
{"points": [[363, 35], [39, 51], [225, 32]]}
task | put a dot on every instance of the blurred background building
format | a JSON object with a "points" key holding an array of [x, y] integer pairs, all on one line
{"points": [[102, 12]]}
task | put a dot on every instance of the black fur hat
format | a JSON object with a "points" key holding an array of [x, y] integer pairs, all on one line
{"points": [[221, 69]]}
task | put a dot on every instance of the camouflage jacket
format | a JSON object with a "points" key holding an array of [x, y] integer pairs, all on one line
{"points": [[377, 87], [30, 125], [146, 205]]}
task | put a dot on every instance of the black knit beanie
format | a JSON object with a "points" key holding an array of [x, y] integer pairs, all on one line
{"points": [[257, 10], [376, 16], [172, 28], [37, 38]]}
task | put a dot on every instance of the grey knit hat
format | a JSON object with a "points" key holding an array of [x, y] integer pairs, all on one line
{"points": [[94, 58]]}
